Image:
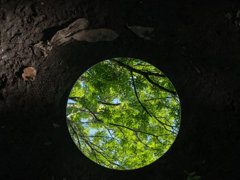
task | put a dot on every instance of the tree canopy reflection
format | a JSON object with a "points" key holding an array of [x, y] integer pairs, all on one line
{"points": [[123, 113]]}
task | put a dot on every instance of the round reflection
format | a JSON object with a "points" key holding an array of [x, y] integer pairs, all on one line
{"points": [[123, 113]]}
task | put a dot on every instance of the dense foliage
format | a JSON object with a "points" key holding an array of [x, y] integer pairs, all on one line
{"points": [[123, 113]]}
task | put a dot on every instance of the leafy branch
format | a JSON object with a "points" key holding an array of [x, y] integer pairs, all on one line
{"points": [[145, 74]]}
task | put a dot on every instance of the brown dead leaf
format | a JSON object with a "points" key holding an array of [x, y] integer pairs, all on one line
{"points": [[29, 74]]}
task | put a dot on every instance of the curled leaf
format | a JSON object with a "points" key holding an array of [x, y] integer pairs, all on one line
{"points": [[65, 34], [44, 48], [29, 74]]}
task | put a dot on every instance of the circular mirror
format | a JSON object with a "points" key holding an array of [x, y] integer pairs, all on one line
{"points": [[123, 113]]}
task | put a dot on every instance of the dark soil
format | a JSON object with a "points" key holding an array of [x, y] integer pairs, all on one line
{"points": [[196, 44]]}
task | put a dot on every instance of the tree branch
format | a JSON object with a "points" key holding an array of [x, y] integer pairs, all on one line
{"points": [[109, 131], [136, 70], [74, 131], [152, 99], [144, 143], [135, 91], [145, 109], [118, 125], [101, 102], [106, 157], [145, 74], [93, 150], [160, 87], [111, 104]]}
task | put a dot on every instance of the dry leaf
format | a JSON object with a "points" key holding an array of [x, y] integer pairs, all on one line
{"points": [[65, 34], [43, 48], [142, 32], [29, 74]]}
